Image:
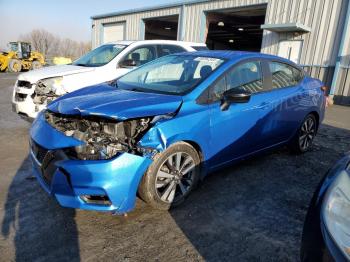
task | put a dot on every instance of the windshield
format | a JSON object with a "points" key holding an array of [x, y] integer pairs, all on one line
{"points": [[13, 46], [173, 74], [99, 56]]}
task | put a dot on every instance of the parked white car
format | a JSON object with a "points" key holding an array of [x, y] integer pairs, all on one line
{"points": [[35, 89]]}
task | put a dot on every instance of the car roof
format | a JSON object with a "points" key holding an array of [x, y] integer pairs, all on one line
{"points": [[235, 55], [173, 42]]}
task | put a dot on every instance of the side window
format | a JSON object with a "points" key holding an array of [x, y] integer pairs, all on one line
{"points": [[169, 49], [216, 90], [247, 76], [284, 75], [205, 67], [142, 55]]}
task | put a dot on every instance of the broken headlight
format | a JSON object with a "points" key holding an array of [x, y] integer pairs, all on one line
{"points": [[48, 85], [47, 90], [103, 138]]}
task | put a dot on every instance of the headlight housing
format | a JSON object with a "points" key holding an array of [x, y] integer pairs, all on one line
{"points": [[336, 211], [49, 85], [104, 138]]}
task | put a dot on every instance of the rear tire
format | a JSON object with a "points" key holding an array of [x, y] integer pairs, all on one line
{"points": [[15, 66], [36, 65], [302, 141], [171, 177]]}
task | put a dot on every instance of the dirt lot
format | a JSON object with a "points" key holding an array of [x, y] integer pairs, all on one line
{"points": [[253, 211]]}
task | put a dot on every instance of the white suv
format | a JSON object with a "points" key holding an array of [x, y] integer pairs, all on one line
{"points": [[35, 89]]}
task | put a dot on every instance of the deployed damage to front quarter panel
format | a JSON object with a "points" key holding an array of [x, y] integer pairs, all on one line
{"points": [[103, 138], [47, 90], [43, 97]]}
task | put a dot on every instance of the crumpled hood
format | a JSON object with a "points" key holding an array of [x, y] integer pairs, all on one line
{"points": [[53, 71], [107, 101]]}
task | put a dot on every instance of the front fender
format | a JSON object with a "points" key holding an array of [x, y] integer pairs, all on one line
{"points": [[190, 124]]}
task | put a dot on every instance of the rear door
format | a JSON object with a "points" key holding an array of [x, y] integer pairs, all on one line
{"points": [[286, 108]]}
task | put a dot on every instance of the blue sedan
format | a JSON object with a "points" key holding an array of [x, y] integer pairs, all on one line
{"points": [[161, 128]]}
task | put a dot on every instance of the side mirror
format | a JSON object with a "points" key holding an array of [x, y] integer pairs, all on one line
{"points": [[235, 95], [127, 63]]}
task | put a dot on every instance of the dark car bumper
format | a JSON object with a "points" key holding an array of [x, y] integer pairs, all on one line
{"points": [[317, 243]]}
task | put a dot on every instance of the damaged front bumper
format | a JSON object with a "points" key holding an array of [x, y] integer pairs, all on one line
{"points": [[101, 185], [22, 103]]}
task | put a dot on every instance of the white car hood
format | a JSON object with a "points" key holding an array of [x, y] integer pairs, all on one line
{"points": [[52, 71]]}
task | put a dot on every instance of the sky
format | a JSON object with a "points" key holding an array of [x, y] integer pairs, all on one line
{"points": [[65, 18]]}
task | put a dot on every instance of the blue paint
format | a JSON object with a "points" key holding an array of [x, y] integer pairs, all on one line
{"points": [[342, 51], [181, 27], [109, 102], [203, 27], [269, 119], [142, 30]]}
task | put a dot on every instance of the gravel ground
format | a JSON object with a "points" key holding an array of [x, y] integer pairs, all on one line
{"points": [[252, 211]]}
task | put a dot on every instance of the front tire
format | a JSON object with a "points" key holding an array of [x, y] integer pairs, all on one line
{"points": [[15, 66], [305, 135], [36, 65], [171, 177]]}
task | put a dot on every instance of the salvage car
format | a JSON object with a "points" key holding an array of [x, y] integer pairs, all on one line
{"points": [[35, 89], [326, 233], [159, 129]]}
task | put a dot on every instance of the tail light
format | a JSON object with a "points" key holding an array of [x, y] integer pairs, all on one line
{"points": [[324, 89]]}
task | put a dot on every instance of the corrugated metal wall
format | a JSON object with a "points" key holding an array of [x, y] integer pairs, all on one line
{"points": [[320, 46], [133, 23]]}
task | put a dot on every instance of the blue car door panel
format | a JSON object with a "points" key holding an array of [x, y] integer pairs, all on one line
{"points": [[237, 131]]}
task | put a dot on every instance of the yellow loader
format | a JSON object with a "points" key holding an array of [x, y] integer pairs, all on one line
{"points": [[20, 57]]}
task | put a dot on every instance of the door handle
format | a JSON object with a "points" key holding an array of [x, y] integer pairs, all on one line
{"points": [[264, 105]]}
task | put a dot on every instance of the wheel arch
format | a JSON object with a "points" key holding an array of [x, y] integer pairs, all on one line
{"points": [[197, 147], [317, 116]]}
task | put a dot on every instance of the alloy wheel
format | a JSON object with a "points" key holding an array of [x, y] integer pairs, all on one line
{"points": [[307, 133], [174, 178]]}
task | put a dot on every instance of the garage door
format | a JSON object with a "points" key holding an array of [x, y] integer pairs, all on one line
{"points": [[113, 32]]}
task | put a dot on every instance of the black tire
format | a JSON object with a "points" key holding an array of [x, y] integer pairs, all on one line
{"points": [[15, 66], [36, 65], [154, 186], [303, 138]]}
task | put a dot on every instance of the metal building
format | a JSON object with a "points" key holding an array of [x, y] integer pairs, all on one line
{"points": [[313, 33]]}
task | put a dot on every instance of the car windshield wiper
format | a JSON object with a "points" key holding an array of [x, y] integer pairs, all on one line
{"points": [[137, 90], [81, 64]]}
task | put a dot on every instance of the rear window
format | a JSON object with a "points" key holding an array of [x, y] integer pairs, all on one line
{"points": [[200, 48], [169, 49], [284, 75]]}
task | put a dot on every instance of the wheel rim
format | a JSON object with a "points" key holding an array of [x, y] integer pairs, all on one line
{"points": [[175, 177], [16, 67], [307, 134], [36, 65]]}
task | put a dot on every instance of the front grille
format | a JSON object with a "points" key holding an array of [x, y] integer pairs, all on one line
{"points": [[20, 97], [45, 157], [25, 84], [39, 152]]}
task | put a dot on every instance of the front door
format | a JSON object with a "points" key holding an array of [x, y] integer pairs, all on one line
{"points": [[238, 131]]}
